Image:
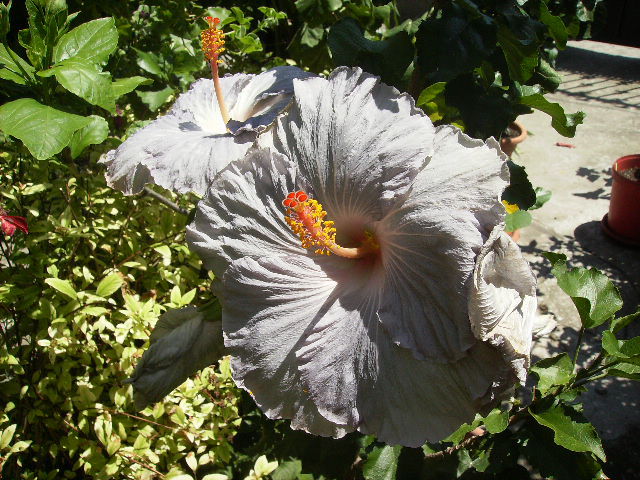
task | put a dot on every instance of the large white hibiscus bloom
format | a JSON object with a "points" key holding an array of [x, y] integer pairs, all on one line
{"points": [[423, 312], [184, 149]]}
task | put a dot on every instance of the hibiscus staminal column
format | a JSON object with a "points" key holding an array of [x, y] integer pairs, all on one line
{"points": [[306, 217], [213, 46]]}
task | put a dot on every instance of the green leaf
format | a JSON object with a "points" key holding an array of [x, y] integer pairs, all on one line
{"points": [[542, 197], [84, 80], [93, 41], [289, 470], [93, 134], [122, 86], [382, 463], [4, 20], [521, 58], [564, 124], [555, 25], [149, 63], [553, 371], [625, 370], [387, 58], [572, 431], [45, 131], [109, 285], [14, 68], [63, 286], [6, 436], [455, 42], [497, 421], [626, 349], [520, 191], [154, 100], [593, 294], [618, 324], [514, 221]]}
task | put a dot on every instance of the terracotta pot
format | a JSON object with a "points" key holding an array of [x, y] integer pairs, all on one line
{"points": [[508, 144], [623, 220]]}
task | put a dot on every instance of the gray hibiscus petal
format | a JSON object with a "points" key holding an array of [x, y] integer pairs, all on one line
{"points": [[242, 215], [306, 336], [182, 343], [502, 305], [183, 150], [357, 141], [429, 244]]}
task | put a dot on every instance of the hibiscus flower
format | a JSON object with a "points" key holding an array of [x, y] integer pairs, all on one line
{"points": [[365, 280], [213, 123]]}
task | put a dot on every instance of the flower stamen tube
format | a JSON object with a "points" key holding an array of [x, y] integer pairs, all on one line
{"points": [[306, 218], [213, 46]]}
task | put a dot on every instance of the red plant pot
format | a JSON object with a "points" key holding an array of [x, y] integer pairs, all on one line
{"points": [[509, 144], [623, 220]]}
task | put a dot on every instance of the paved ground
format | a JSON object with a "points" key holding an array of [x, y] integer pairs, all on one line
{"points": [[603, 81]]}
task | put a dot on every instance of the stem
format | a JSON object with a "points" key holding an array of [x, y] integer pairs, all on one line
{"points": [[165, 201], [216, 85], [578, 343]]}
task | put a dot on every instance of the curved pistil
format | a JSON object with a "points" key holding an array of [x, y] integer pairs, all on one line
{"points": [[306, 217], [213, 46]]}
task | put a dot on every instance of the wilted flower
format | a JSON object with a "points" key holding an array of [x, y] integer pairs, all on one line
{"points": [[10, 223], [213, 123], [422, 312]]}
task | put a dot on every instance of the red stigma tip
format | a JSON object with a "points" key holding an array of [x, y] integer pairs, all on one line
{"points": [[290, 202], [301, 196]]}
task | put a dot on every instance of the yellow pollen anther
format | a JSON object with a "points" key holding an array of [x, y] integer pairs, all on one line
{"points": [[306, 218], [213, 46]]}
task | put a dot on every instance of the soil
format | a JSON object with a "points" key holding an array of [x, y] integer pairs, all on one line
{"points": [[632, 173]]}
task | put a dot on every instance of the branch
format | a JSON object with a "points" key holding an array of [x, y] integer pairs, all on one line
{"points": [[165, 201]]}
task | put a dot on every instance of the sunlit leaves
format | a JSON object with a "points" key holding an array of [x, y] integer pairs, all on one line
{"points": [[564, 124], [109, 285], [382, 463], [93, 41], [553, 372], [92, 134], [45, 131], [593, 294], [14, 68], [571, 429]]}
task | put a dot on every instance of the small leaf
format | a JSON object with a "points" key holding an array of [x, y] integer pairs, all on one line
{"points": [[122, 86], [289, 470], [514, 221], [63, 286], [497, 421], [520, 191], [382, 463], [93, 41], [93, 134], [542, 197], [109, 285], [14, 68], [7, 435], [154, 100], [626, 349], [553, 371], [45, 131], [593, 294], [572, 430], [149, 63]]}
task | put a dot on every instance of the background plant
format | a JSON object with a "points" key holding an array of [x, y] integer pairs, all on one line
{"points": [[81, 292]]}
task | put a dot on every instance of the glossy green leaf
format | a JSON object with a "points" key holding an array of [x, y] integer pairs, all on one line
{"points": [[625, 370], [497, 421], [382, 463], [150, 62], [93, 41], [154, 100], [555, 25], [84, 80], [14, 68], [564, 124], [109, 285], [618, 324], [593, 294], [122, 86], [93, 134], [626, 349], [45, 131], [62, 286], [387, 58], [552, 372], [571, 430], [6, 436], [522, 59]]}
